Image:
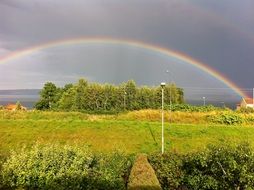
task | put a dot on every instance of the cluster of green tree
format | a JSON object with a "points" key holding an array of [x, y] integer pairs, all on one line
{"points": [[85, 96]]}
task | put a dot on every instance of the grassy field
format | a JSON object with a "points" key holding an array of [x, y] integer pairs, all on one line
{"points": [[107, 133]]}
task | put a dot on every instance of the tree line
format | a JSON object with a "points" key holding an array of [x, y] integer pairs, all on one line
{"points": [[85, 96]]}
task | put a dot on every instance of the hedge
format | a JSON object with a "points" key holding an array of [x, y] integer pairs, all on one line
{"points": [[219, 167], [142, 175], [68, 167]]}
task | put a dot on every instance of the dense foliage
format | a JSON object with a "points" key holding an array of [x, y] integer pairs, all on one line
{"points": [[168, 169], [56, 167], [85, 96], [69, 167], [192, 108], [219, 167], [228, 118], [245, 110]]}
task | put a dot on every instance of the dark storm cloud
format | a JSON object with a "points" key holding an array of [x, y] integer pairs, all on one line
{"points": [[219, 33]]}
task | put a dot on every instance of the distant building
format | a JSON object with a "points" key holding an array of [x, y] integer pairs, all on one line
{"points": [[13, 107], [245, 103]]}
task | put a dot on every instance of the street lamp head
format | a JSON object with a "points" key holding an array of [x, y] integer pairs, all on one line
{"points": [[163, 84]]}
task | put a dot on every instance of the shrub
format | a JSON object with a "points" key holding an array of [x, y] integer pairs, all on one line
{"points": [[111, 171], [68, 167], [249, 119], [220, 167], [192, 108], [142, 175], [197, 171], [246, 110], [18, 106], [1, 179], [227, 118], [48, 168], [168, 169]]}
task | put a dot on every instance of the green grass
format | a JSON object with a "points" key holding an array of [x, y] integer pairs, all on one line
{"points": [[106, 133]]}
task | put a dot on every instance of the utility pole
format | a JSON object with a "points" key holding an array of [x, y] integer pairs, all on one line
{"points": [[253, 98], [162, 116], [124, 100], [170, 95]]}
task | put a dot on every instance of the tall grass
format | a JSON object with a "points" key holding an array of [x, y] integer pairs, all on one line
{"points": [[212, 117]]}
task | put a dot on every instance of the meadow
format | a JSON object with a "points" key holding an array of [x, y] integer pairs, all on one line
{"points": [[131, 132], [74, 150]]}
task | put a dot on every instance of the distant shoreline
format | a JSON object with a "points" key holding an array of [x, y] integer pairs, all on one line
{"points": [[28, 97]]}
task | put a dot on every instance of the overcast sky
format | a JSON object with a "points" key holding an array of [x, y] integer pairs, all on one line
{"points": [[217, 33]]}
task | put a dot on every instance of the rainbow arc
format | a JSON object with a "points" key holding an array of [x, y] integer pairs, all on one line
{"points": [[137, 44]]}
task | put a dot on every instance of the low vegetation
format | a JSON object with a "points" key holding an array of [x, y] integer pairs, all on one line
{"points": [[142, 176], [65, 167], [131, 132], [223, 117], [83, 145], [192, 108], [228, 118], [218, 167], [168, 168], [73, 167]]}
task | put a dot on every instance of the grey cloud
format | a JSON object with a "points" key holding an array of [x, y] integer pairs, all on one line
{"points": [[192, 27]]}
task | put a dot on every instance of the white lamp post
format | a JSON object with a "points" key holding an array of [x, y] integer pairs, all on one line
{"points": [[170, 95], [204, 101], [162, 116]]}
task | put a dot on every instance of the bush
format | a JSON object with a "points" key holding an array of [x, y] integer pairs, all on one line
{"points": [[246, 110], [227, 118], [142, 176], [1, 179], [168, 169], [48, 168], [57, 167], [192, 108], [218, 167], [111, 171]]}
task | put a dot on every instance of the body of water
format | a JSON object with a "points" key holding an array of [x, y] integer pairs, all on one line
{"points": [[26, 97]]}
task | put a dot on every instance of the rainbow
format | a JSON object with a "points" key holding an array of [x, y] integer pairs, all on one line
{"points": [[137, 44]]}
